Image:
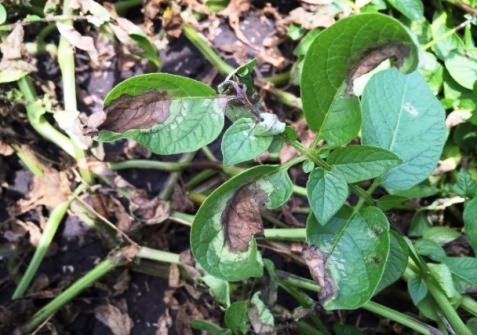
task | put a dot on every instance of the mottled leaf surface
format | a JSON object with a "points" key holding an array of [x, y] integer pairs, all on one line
{"points": [[401, 114], [356, 248]]}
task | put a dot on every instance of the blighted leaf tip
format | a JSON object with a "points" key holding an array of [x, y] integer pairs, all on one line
{"points": [[315, 259]]}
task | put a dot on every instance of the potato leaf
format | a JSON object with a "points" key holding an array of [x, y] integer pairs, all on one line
{"points": [[349, 258], [401, 114], [222, 232], [167, 114], [343, 52]]}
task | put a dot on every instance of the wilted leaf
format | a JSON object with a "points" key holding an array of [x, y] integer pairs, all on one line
{"points": [[149, 211], [77, 40], [315, 260], [260, 316]]}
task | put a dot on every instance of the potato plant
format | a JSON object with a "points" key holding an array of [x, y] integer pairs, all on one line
{"points": [[392, 134]]}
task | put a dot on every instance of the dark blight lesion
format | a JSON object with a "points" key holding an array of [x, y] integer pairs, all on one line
{"points": [[136, 112], [315, 259], [241, 219], [371, 58]]}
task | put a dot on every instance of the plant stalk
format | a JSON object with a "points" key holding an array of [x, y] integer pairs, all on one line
{"points": [[49, 232]]}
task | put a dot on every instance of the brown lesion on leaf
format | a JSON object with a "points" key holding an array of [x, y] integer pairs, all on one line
{"points": [[136, 112], [375, 56], [315, 259], [241, 219]]}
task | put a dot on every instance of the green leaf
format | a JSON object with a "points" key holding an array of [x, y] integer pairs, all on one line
{"points": [[462, 66], [419, 224], [283, 188], [470, 222], [412, 9], [417, 289], [401, 114], [244, 74], [465, 186], [464, 272], [236, 318], [390, 201], [240, 144], [430, 249], [441, 235], [443, 276], [396, 263], [338, 54], [209, 327], [343, 121], [219, 288], [444, 46], [235, 205], [150, 50], [327, 192], [432, 71], [359, 162], [3, 14], [167, 114], [354, 249]]}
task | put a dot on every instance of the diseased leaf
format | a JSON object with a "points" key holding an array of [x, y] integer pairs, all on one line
{"points": [[354, 249], [401, 114], [167, 114], [239, 200], [327, 192], [470, 222], [260, 316], [344, 51], [358, 163], [241, 218], [240, 143]]}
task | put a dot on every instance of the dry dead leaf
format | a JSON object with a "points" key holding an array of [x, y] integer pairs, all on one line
{"points": [[315, 260], [79, 41], [109, 207], [164, 323], [241, 218], [50, 189], [310, 20], [457, 117], [233, 12], [5, 149], [149, 211], [119, 323], [12, 50]]}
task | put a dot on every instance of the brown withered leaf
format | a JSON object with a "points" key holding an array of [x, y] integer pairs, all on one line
{"points": [[375, 56], [119, 323], [138, 112], [316, 260], [79, 41], [149, 211], [241, 219], [50, 189]]}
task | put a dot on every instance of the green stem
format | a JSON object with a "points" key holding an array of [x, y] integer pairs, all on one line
{"points": [[296, 234], [38, 121], [199, 178], [185, 219], [123, 6], [148, 164], [469, 304], [158, 255], [200, 43], [28, 160], [446, 308], [278, 79], [305, 328], [49, 232], [400, 318], [371, 306], [66, 60], [174, 177], [447, 34], [119, 258]]}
